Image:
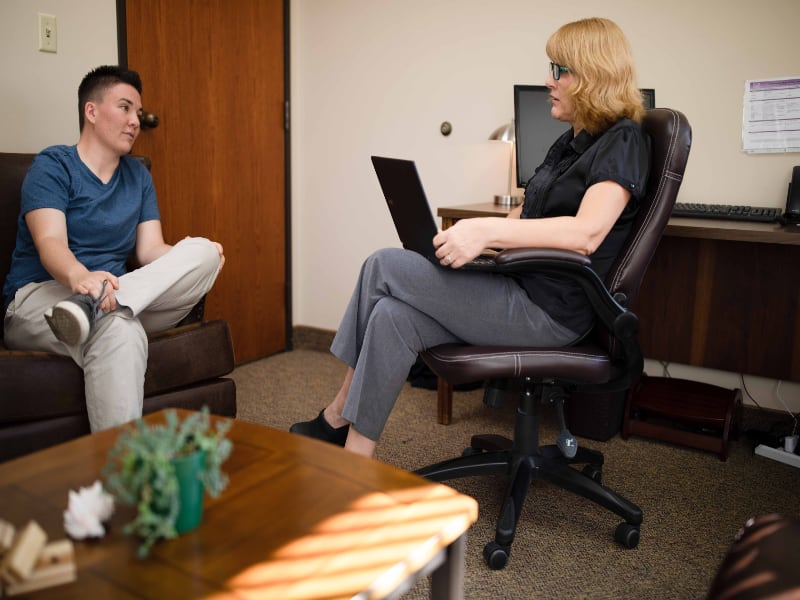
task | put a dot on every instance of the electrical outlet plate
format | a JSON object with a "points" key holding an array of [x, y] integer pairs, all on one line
{"points": [[48, 36]]}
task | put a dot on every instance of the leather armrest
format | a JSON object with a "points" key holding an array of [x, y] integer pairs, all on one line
{"points": [[521, 255], [609, 310], [577, 267]]}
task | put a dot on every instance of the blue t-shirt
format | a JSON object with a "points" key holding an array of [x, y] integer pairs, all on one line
{"points": [[101, 217]]}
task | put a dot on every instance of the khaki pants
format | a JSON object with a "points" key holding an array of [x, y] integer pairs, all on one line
{"points": [[114, 358]]}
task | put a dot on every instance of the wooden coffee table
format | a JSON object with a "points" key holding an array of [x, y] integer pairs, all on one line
{"points": [[300, 519]]}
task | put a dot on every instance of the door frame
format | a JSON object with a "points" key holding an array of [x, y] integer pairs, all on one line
{"points": [[122, 54]]}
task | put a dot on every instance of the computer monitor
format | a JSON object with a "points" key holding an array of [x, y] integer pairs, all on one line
{"points": [[536, 130]]}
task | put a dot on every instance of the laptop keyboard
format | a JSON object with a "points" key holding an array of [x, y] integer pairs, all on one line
{"points": [[483, 261]]}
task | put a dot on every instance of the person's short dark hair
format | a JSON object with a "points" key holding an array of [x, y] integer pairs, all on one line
{"points": [[97, 81]]}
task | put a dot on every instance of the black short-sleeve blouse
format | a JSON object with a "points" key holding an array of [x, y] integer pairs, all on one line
{"points": [[572, 165]]}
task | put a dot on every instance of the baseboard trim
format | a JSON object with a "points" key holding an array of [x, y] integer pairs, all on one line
{"points": [[311, 338]]}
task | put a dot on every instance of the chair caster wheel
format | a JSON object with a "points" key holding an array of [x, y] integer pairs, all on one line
{"points": [[593, 473], [495, 555], [627, 535]]}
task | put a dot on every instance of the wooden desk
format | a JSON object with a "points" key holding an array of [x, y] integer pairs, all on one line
{"points": [[451, 214], [300, 519], [728, 291]]}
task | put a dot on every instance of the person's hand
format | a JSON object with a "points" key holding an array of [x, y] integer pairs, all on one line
{"points": [[219, 249], [221, 254], [92, 284], [460, 243]]}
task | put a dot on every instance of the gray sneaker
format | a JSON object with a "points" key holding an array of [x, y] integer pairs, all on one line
{"points": [[72, 320]]}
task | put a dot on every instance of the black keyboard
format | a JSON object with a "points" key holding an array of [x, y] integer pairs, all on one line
{"points": [[727, 212]]}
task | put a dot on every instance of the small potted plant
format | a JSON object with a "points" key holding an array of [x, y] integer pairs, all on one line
{"points": [[163, 469]]}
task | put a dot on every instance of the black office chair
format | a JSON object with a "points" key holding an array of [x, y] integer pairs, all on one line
{"points": [[607, 360]]}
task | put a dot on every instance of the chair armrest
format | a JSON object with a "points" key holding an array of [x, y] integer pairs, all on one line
{"points": [[565, 263], [520, 255], [621, 323]]}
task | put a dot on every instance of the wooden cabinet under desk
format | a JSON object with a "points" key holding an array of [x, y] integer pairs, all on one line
{"points": [[718, 294]]}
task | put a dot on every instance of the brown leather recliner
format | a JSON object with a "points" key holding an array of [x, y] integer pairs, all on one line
{"points": [[41, 394]]}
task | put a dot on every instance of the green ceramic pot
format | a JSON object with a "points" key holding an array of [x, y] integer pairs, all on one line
{"points": [[187, 469]]}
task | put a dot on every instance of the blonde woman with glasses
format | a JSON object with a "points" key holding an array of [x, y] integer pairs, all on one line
{"points": [[583, 198]]}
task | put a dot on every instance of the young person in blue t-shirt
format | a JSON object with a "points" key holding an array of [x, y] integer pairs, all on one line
{"points": [[86, 209]]}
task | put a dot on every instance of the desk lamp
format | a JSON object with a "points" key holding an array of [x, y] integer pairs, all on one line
{"points": [[505, 133]]}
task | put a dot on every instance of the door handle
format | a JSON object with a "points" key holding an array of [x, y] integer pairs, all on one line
{"points": [[148, 120]]}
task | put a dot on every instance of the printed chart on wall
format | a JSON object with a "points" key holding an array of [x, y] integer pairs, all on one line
{"points": [[771, 115]]}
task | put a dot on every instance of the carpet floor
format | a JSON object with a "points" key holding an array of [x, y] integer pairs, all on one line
{"points": [[693, 503]]}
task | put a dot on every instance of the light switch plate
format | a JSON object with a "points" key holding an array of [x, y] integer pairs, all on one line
{"points": [[48, 35]]}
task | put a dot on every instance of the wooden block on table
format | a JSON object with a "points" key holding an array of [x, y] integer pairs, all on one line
{"points": [[28, 544], [7, 531], [55, 566]]}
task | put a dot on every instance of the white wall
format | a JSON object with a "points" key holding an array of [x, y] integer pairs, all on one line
{"points": [[39, 94], [380, 76]]}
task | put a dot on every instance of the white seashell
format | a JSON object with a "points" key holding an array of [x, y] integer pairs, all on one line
{"points": [[88, 509]]}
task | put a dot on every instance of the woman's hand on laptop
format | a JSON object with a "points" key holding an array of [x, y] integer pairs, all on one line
{"points": [[460, 243]]}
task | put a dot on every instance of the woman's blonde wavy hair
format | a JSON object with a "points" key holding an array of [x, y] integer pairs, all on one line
{"points": [[604, 88]]}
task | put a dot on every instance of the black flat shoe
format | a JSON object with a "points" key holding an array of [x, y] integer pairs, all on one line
{"points": [[319, 429]]}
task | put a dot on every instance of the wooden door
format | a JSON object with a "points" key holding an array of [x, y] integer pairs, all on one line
{"points": [[213, 73]]}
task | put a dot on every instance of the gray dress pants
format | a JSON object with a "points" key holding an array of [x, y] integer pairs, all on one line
{"points": [[403, 304], [114, 358]]}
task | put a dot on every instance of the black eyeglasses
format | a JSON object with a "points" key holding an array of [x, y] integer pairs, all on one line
{"points": [[556, 70]]}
